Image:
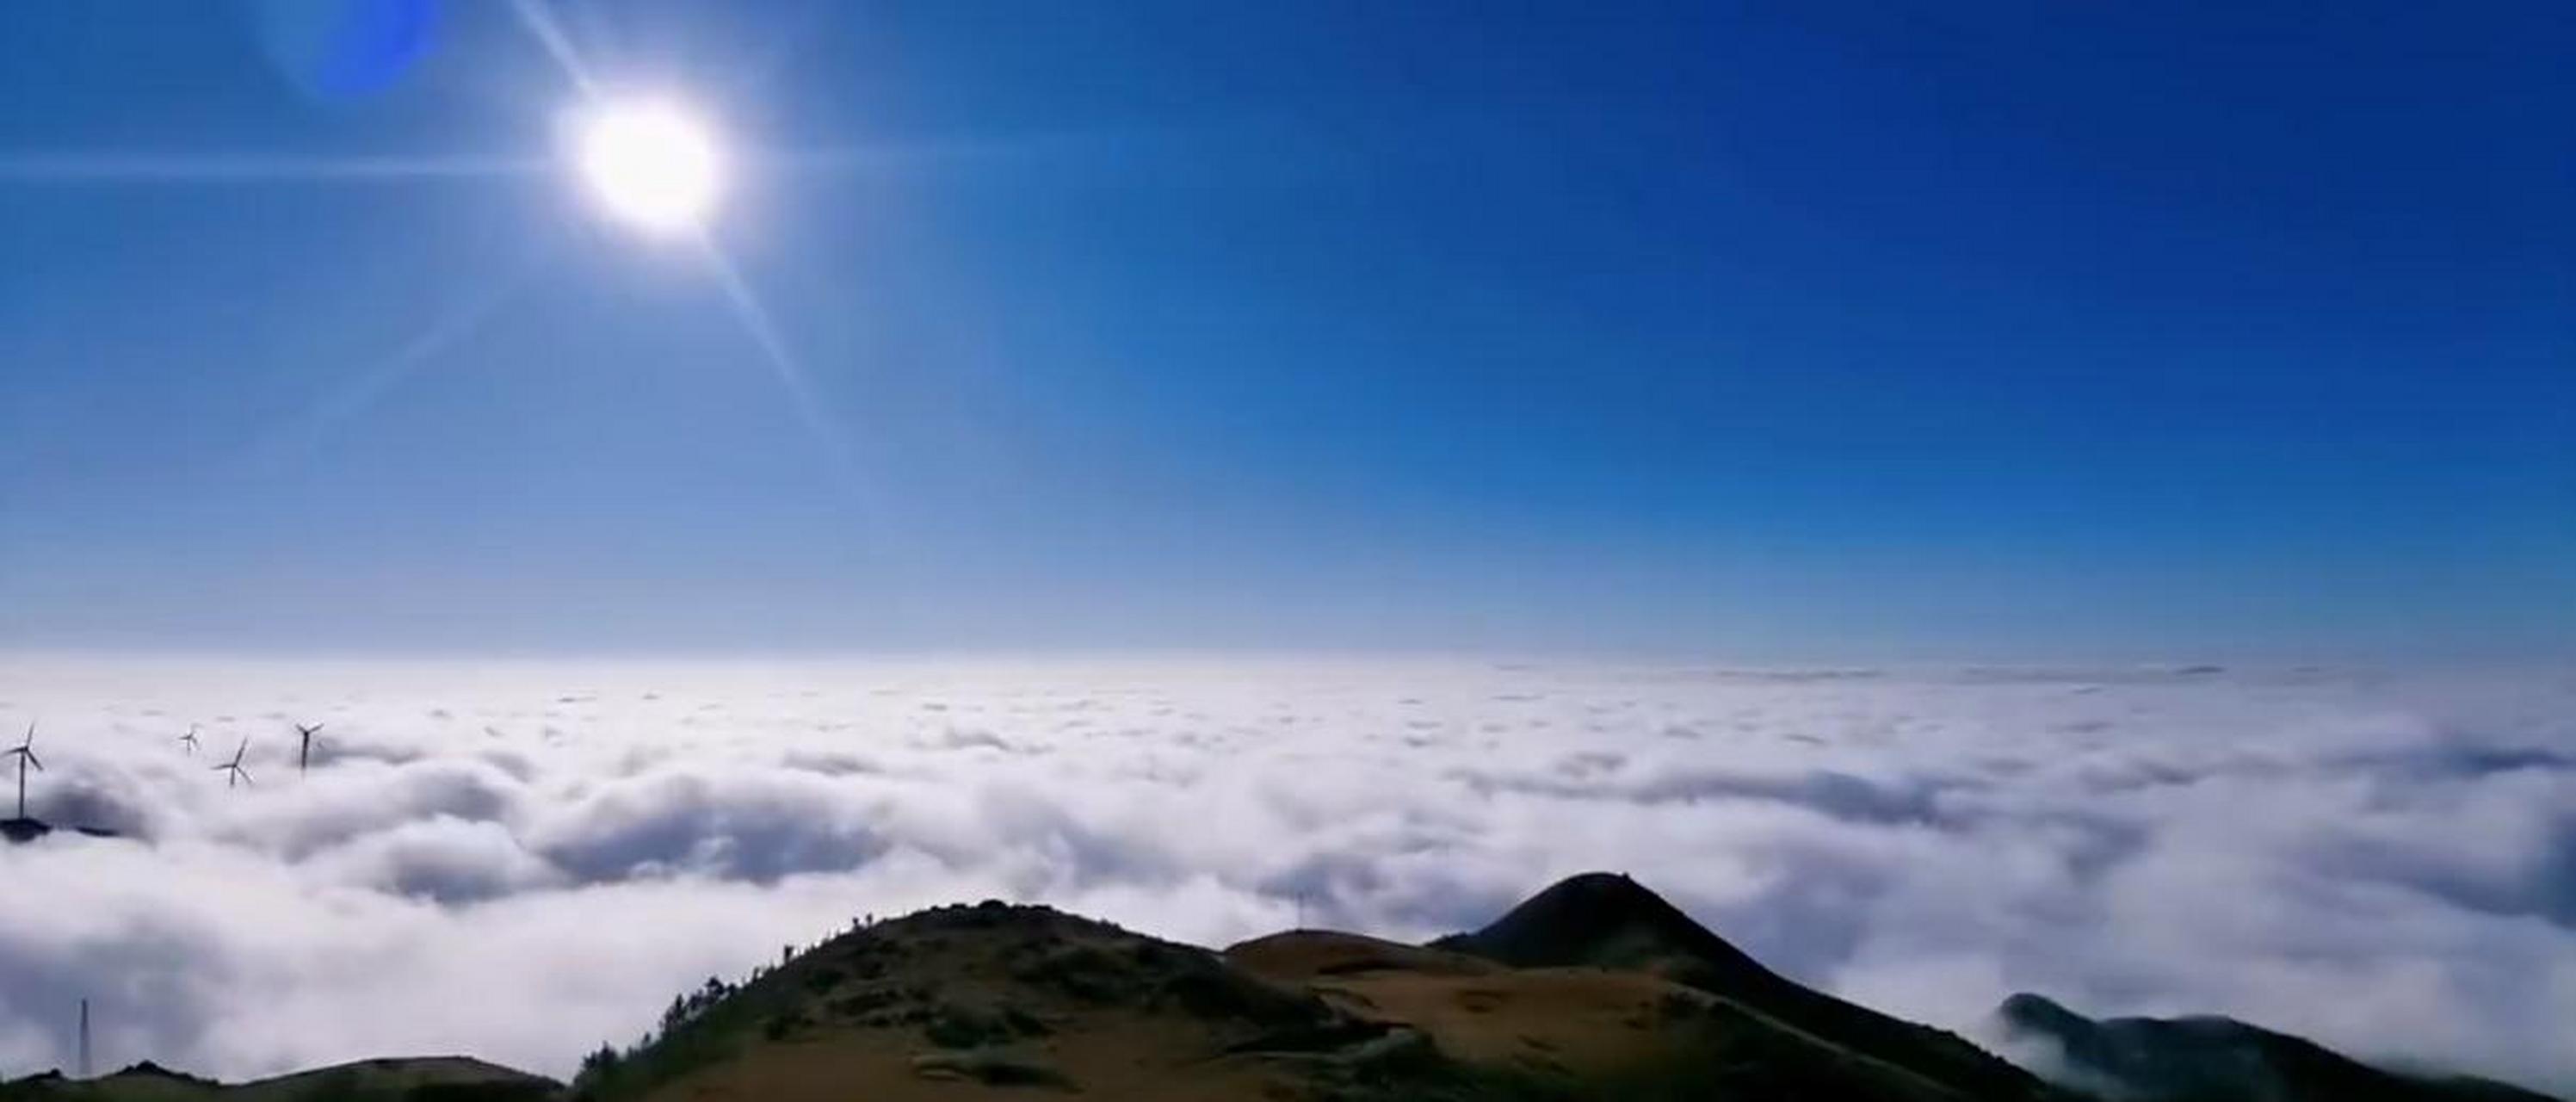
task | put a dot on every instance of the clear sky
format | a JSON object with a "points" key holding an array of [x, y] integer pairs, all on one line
{"points": [[2026, 330]]}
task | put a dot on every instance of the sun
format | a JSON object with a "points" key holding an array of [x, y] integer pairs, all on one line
{"points": [[650, 163]]}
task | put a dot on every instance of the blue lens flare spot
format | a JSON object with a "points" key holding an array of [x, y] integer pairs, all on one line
{"points": [[337, 49]]}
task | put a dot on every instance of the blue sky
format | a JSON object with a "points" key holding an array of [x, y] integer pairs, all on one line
{"points": [[1801, 331]]}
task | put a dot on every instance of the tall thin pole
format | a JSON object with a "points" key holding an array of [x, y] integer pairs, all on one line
{"points": [[84, 1044], [22, 786]]}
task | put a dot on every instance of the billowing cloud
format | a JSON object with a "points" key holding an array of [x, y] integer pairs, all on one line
{"points": [[523, 860]]}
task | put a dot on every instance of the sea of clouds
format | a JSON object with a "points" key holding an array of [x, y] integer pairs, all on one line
{"points": [[521, 860]]}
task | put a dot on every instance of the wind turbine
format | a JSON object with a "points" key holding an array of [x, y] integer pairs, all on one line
{"points": [[234, 767], [304, 753], [25, 752], [189, 740]]}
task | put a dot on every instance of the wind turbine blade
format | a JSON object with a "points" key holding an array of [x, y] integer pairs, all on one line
{"points": [[245, 776], [38, 762]]}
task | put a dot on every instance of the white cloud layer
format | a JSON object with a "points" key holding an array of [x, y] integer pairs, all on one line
{"points": [[523, 860]]}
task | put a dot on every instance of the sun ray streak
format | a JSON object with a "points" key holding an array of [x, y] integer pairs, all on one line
{"points": [[540, 22], [355, 394], [253, 168], [763, 331]]}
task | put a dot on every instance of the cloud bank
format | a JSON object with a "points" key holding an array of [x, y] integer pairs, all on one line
{"points": [[522, 860]]}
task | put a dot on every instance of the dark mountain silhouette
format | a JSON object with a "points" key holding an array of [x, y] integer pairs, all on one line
{"points": [[420, 1079], [1606, 920], [146, 1069], [2215, 1059], [28, 829]]}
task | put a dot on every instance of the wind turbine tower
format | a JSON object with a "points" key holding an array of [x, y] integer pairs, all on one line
{"points": [[25, 752], [304, 752], [84, 1040]]}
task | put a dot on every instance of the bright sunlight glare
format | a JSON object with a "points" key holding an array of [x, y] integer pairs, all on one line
{"points": [[650, 164]]}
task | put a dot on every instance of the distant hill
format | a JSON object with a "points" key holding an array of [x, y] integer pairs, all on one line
{"points": [[418, 1079], [1602, 920], [2214, 1059]]}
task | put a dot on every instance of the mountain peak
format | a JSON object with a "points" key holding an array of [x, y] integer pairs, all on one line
{"points": [[2029, 1012], [1609, 920], [1602, 890]]}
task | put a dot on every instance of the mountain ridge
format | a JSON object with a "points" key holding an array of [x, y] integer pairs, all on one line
{"points": [[1594, 989], [2212, 1058]]}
